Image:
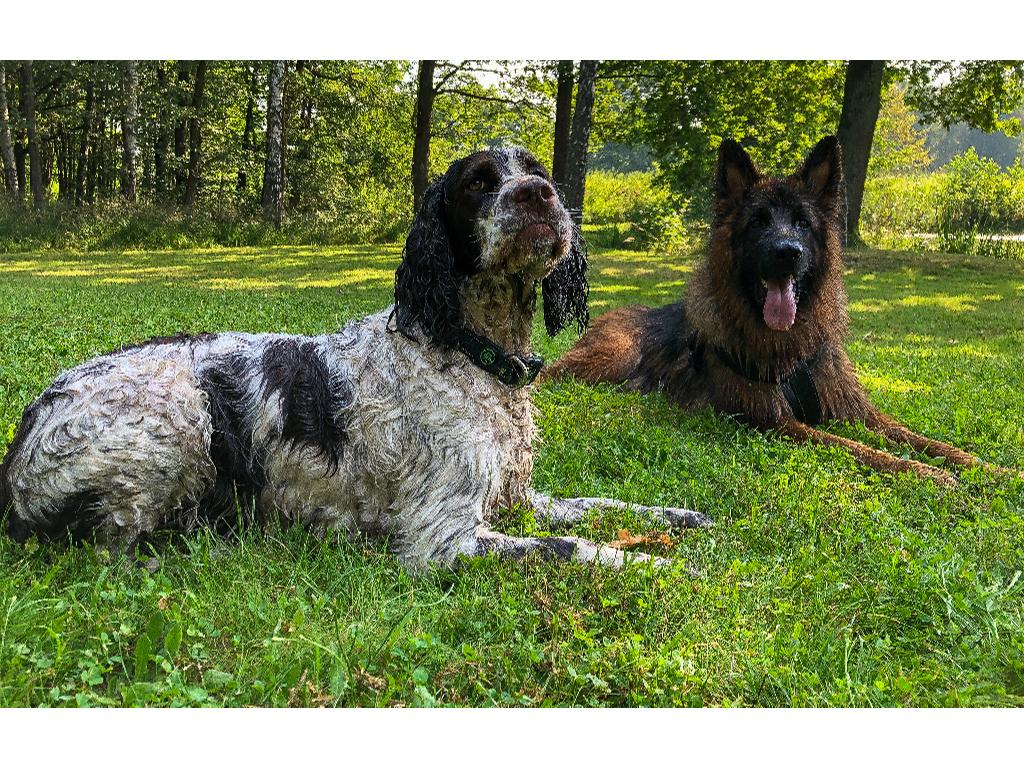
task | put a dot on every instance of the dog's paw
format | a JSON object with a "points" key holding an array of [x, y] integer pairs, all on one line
{"points": [[942, 478], [686, 518]]}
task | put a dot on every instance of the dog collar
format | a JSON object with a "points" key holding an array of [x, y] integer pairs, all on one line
{"points": [[513, 370]]}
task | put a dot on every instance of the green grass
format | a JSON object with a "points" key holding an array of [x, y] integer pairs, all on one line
{"points": [[823, 582]]}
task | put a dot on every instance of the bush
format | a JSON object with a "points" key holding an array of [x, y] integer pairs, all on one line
{"points": [[970, 206], [630, 210], [978, 195], [903, 205], [377, 216]]}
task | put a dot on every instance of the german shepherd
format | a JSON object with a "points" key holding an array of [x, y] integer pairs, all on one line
{"points": [[760, 334]]}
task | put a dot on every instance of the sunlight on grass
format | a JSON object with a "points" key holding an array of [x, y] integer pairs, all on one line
{"points": [[953, 303], [874, 381]]}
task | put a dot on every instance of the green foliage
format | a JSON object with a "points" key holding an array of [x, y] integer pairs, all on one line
{"points": [[978, 194], [972, 206], [898, 145], [683, 109], [114, 225], [900, 205], [979, 93], [824, 583], [630, 210]]}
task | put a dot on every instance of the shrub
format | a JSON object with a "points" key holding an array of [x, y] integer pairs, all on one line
{"points": [[630, 209], [905, 204], [971, 206], [372, 214]]}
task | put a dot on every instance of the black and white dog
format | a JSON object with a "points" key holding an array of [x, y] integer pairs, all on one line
{"points": [[414, 423]]}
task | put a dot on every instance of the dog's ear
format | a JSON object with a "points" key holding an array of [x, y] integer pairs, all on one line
{"points": [[822, 174], [426, 290], [736, 172], [564, 291]]}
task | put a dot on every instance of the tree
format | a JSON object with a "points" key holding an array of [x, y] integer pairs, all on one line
{"points": [[273, 170], [6, 148], [563, 119], [181, 130], [898, 145], [682, 110], [28, 96], [250, 120], [84, 142], [195, 135], [579, 141], [862, 93], [425, 95], [162, 140], [977, 93], [128, 123]]}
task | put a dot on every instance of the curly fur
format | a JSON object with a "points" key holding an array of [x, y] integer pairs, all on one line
{"points": [[364, 431]]}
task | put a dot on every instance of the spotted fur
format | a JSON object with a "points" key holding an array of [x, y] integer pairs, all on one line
{"points": [[383, 428]]}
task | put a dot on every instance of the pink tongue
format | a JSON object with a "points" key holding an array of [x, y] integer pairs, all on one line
{"points": [[780, 305]]}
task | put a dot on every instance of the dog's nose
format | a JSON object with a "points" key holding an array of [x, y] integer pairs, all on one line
{"points": [[786, 253], [533, 189]]}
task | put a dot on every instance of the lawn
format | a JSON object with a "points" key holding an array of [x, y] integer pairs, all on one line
{"points": [[823, 583]]}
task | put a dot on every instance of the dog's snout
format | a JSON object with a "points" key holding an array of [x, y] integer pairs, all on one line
{"points": [[786, 253], [533, 189]]}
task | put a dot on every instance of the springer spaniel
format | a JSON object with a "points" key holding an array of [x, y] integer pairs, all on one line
{"points": [[414, 423]]}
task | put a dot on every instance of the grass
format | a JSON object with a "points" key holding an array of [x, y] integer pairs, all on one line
{"points": [[823, 582]]}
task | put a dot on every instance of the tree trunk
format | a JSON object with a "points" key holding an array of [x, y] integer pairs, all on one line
{"points": [[273, 169], [250, 109], [862, 95], [19, 164], [162, 143], [128, 126], [421, 143], [83, 144], [579, 141], [93, 167], [34, 156], [6, 148], [180, 130], [303, 138], [563, 117], [61, 157], [195, 135]]}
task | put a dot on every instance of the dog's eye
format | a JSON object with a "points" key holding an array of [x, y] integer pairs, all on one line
{"points": [[802, 223], [476, 185]]}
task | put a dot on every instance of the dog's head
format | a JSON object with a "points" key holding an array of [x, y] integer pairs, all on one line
{"points": [[497, 211], [781, 230]]}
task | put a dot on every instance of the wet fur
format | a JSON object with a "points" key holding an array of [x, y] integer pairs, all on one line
{"points": [[383, 428], [675, 349]]}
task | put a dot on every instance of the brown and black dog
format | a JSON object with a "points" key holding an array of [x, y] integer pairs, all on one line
{"points": [[760, 334]]}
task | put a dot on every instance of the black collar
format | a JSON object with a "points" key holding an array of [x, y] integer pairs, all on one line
{"points": [[512, 370]]}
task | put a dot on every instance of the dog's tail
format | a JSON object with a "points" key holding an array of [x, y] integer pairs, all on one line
{"points": [[609, 351]]}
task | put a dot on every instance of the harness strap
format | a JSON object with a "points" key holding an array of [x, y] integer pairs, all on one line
{"points": [[798, 387]]}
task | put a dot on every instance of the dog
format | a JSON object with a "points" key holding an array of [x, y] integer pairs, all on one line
{"points": [[413, 424], [760, 333]]}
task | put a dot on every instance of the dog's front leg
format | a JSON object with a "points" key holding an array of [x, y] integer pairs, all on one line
{"points": [[867, 455], [890, 429], [563, 513], [567, 548]]}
